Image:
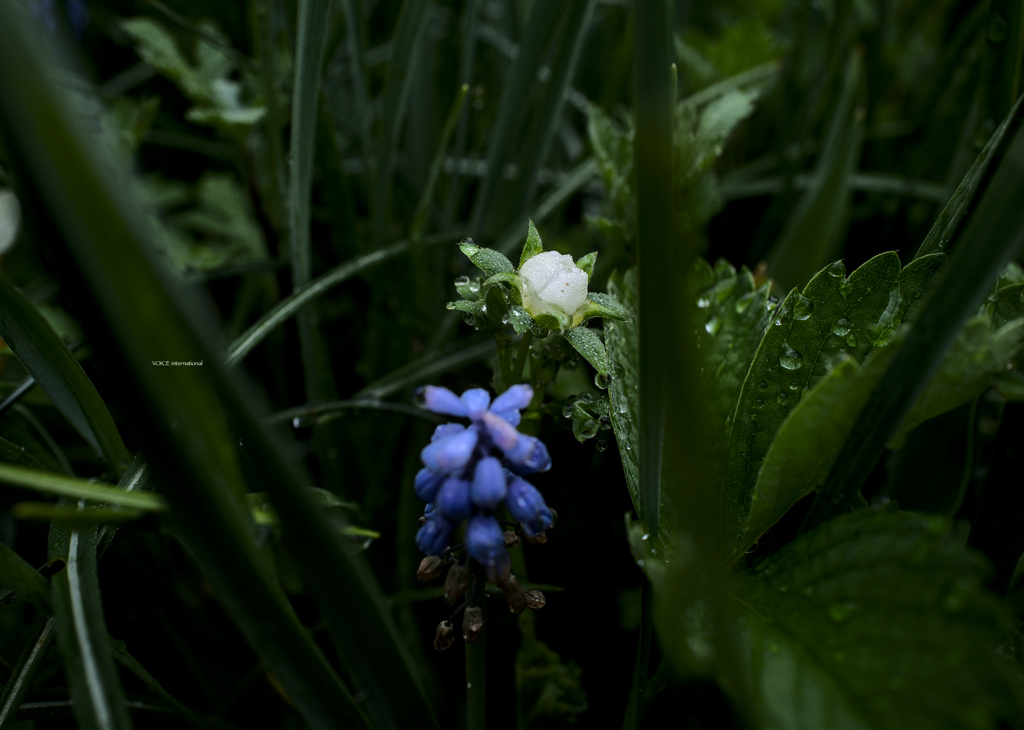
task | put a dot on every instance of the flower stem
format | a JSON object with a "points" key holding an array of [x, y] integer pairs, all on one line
{"points": [[476, 718], [521, 357]]}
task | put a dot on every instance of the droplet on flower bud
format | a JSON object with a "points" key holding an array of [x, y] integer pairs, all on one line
{"points": [[535, 599], [430, 568], [455, 583], [472, 624], [511, 539], [445, 636], [514, 595]]}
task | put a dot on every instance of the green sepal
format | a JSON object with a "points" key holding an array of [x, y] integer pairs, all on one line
{"points": [[600, 305], [587, 412], [586, 342], [587, 263], [520, 319], [494, 307], [532, 247], [512, 279], [468, 290], [464, 305], [487, 260]]}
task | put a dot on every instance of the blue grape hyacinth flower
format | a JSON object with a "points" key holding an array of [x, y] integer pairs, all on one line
{"points": [[470, 471]]}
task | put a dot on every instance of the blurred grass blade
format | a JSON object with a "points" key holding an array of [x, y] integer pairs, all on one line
{"points": [[59, 374], [71, 515], [50, 483], [81, 631], [993, 236], [136, 479], [359, 99], [423, 370], [532, 152], [24, 672], [180, 414], [814, 230], [419, 219], [288, 307], [540, 33], [947, 225], [23, 579], [314, 22], [397, 85]]}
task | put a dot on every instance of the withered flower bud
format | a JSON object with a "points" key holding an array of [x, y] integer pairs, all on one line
{"points": [[430, 568], [534, 599], [554, 515], [472, 624], [514, 595], [539, 539], [422, 521], [456, 582], [511, 539], [445, 636]]}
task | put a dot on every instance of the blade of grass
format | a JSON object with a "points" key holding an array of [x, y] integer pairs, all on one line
{"points": [[654, 301], [533, 151], [419, 219], [286, 308], [21, 578], [59, 374], [50, 483], [356, 50], [177, 411], [81, 631], [466, 65], [397, 85], [541, 31], [993, 235], [24, 672], [947, 225], [72, 515]]}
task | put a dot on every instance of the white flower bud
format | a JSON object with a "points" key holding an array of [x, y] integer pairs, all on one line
{"points": [[553, 283]]}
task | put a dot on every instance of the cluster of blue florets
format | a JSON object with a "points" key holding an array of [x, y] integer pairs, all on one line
{"points": [[462, 479]]}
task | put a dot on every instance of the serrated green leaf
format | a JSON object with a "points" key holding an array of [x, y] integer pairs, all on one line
{"points": [[832, 317], [980, 353], [1006, 304], [158, 48], [875, 620], [586, 342], [702, 131], [622, 341], [488, 260], [533, 245], [18, 576], [512, 279], [734, 317], [586, 263]]}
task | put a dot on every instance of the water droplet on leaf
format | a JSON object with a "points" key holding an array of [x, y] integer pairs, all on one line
{"points": [[790, 358], [713, 325], [841, 326], [803, 308]]}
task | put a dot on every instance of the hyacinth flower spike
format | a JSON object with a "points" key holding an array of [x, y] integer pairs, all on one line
{"points": [[469, 472]]}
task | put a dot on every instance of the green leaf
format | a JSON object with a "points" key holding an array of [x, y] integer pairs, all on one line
{"points": [[465, 305], [533, 245], [158, 48], [875, 620], [979, 354], [512, 279], [50, 483], [702, 132], [734, 314], [98, 700], [808, 442], [586, 342], [621, 339], [18, 576], [58, 373], [832, 317], [489, 261], [586, 263], [24, 672]]}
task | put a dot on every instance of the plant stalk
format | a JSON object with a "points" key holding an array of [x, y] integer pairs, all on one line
{"points": [[476, 687]]}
